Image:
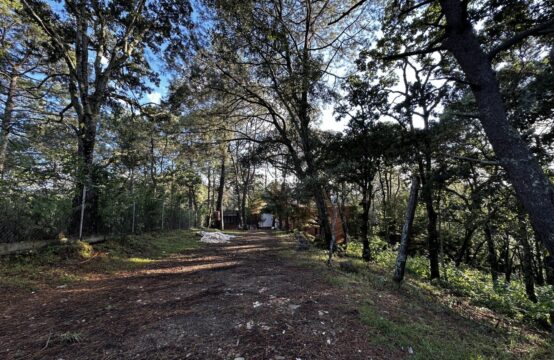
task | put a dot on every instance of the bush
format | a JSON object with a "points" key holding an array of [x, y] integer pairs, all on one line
{"points": [[68, 251], [474, 284]]}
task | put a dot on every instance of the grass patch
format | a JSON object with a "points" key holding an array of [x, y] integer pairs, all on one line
{"points": [[64, 264], [429, 339], [424, 320], [70, 337]]}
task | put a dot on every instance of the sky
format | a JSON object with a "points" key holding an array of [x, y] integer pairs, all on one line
{"points": [[328, 121]]}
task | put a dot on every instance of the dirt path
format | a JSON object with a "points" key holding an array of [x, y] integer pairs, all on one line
{"points": [[219, 302]]}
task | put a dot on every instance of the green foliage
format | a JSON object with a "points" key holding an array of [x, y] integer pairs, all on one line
{"points": [[416, 320], [38, 215], [471, 283]]}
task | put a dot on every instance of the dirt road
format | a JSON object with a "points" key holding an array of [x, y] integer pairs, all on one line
{"points": [[222, 301]]}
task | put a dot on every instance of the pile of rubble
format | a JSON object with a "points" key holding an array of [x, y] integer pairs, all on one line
{"points": [[214, 237]]}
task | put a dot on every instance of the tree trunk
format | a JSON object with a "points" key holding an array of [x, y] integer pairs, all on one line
{"points": [[209, 200], [334, 229], [325, 225], [153, 163], [532, 186], [400, 265], [466, 244], [243, 207], [526, 258], [343, 220], [539, 268], [492, 258], [86, 177], [7, 122], [432, 234], [366, 205], [507, 260], [219, 205]]}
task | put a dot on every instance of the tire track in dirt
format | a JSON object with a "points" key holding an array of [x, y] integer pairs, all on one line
{"points": [[222, 301]]}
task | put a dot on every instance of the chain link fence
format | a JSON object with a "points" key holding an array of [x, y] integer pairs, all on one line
{"points": [[38, 216]]}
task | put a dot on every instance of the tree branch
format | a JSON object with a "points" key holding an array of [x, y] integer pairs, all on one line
{"points": [[540, 29], [345, 14], [415, 52]]}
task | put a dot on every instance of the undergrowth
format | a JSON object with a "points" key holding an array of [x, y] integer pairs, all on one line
{"points": [[508, 299], [462, 317], [62, 264]]}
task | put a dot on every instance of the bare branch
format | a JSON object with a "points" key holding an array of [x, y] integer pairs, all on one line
{"points": [[348, 12]]}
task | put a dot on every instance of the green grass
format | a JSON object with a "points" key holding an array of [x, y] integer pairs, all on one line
{"points": [[469, 283], [60, 265], [425, 320], [430, 339]]}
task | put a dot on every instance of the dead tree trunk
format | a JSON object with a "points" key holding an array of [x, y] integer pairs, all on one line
{"points": [[400, 265]]}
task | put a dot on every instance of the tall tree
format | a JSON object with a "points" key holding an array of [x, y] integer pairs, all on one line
{"points": [[450, 26], [279, 60], [21, 60], [103, 46], [366, 144]]}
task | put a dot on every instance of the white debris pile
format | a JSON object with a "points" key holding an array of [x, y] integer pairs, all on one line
{"points": [[214, 237]]}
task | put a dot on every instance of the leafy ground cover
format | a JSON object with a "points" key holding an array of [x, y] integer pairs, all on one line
{"points": [[459, 318]]}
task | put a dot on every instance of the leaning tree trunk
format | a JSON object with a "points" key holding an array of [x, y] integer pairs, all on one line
{"points": [[400, 265], [7, 122], [532, 186], [466, 245]]}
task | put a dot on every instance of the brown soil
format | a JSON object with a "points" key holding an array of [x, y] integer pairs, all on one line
{"points": [[240, 299]]}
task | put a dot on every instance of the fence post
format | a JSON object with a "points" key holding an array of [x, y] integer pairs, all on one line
{"points": [[82, 212], [133, 220], [163, 213]]}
